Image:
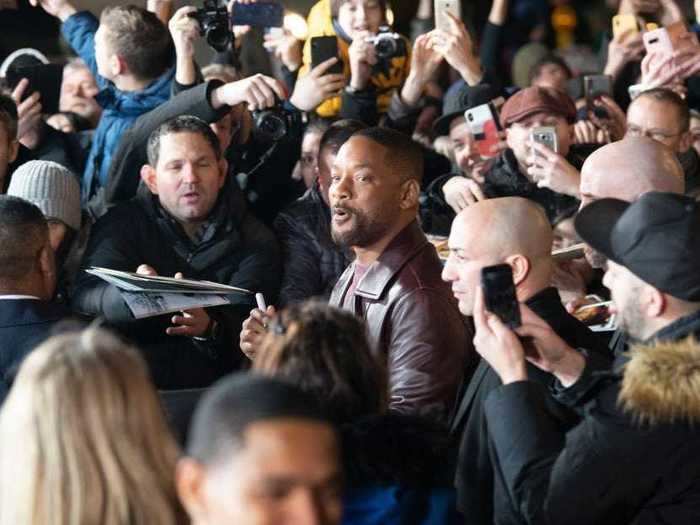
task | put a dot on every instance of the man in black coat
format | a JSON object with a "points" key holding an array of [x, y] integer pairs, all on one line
{"points": [[633, 458], [514, 231], [27, 284], [189, 223], [313, 262]]}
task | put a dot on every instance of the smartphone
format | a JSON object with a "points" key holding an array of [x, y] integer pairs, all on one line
{"points": [[442, 7], [499, 294], [624, 23], [595, 86], [259, 14], [658, 40], [324, 48], [546, 135], [44, 78], [484, 126]]}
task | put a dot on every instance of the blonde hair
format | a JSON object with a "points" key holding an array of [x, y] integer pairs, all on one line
{"points": [[83, 439]]}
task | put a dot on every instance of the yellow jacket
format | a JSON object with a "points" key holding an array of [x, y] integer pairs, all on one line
{"points": [[320, 23]]}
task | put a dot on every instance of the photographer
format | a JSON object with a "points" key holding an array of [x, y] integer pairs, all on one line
{"points": [[371, 78]]}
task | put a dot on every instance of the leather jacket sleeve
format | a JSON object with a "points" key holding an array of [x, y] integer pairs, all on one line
{"points": [[428, 355]]}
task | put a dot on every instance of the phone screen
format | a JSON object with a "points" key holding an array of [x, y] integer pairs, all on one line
{"points": [[499, 294], [259, 14]]}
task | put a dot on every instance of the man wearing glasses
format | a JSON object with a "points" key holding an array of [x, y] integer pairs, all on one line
{"points": [[663, 116]]}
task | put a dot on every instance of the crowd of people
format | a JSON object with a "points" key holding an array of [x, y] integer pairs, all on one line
{"points": [[364, 370]]}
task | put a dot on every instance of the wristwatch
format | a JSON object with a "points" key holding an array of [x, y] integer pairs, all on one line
{"points": [[211, 333]]}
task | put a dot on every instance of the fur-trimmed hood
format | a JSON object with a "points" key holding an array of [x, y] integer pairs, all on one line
{"points": [[661, 382]]}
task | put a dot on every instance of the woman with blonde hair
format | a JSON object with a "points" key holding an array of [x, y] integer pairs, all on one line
{"points": [[83, 439]]}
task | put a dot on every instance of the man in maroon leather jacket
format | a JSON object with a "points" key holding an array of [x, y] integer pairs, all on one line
{"points": [[394, 283]]}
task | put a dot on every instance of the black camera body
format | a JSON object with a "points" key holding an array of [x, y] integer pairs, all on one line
{"points": [[272, 124], [214, 24], [386, 43]]}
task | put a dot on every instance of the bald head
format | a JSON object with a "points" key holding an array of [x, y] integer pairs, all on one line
{"points": [[506, 226], [510, 230], [629, 168]]}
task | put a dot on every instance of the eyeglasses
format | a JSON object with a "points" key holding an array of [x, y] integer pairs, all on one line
{"points": [[657, 135]]}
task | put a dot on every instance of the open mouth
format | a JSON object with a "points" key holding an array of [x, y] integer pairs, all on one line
{"points": [[340, 215], [191, 197]]}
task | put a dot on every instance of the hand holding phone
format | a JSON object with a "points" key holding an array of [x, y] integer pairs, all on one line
{"points": [[324, 48]]}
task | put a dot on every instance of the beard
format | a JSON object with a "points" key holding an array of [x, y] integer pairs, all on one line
{"points": [[630, 319], [360, 229]]}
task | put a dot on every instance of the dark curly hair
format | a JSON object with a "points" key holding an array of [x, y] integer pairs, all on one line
{"points": [[324, 351]]}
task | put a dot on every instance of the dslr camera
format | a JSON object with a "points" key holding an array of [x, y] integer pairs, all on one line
{"points": [[272, 124], [214, 24], [386, 43]]}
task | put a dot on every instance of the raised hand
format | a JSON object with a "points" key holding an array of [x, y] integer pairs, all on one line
{"points": [[312, 89]]}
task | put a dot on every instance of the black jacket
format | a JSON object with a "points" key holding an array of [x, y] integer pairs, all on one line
{"points": [[482, 496], [633, 457], [312, 261], [267, 190], [504, 179], [24, 324], [235, 249]]}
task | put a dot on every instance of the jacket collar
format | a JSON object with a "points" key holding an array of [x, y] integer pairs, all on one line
{"points": [[401, 249], [679, 329], [660, 382], [136, 102]]}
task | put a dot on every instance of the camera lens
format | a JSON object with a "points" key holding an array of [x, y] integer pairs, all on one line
{"points": [[218, 36], [385, 48], [470, 117]]}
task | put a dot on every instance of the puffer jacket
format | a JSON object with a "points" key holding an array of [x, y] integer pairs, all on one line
{"points": [[632, 460], [312, 261], [120, 108], [413, 324], [384, 81]]}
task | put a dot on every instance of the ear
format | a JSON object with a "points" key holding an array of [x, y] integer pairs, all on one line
{"points": [[686, 142], [13, 151], [189, 484], [521, 268], [148, 176], [223, 169], [410, 193], [117, 66], [47, 267], [654, 302], [509, 137]]}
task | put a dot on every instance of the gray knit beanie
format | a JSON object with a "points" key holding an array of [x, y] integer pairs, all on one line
{"points": [[51, 187]]}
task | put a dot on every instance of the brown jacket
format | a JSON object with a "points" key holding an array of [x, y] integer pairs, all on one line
{"points": [[413, 324]]}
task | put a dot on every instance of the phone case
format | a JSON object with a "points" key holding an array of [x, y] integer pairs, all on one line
{"points": [[623, 23], [324, 48], [484, 128], [499, 294], [442, 7], [546, 136], [658, 40], [260, 14]]}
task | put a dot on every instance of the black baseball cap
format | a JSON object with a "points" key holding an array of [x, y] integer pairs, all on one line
{"points": [[464, 98], [656, 237]]}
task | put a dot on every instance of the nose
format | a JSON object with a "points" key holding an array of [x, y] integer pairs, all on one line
{"points": [[447, 272], [190, 174], [308, 510], [339, 190]]}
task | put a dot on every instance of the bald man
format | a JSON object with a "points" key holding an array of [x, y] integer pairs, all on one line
{"points": [[626, 170], [514, 231]]}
